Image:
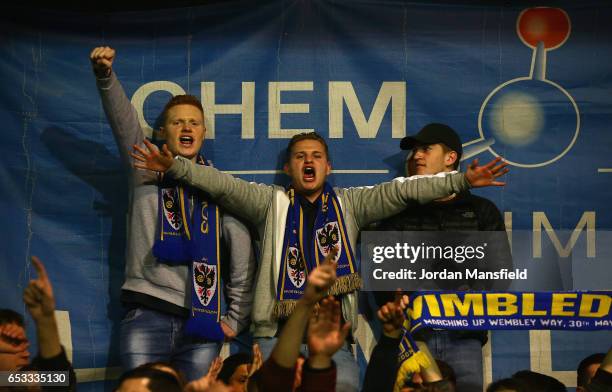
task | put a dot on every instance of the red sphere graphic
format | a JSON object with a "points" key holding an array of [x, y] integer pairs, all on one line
{"points": [[546, 24]]}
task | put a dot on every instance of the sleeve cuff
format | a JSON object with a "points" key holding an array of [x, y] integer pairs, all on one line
{"points": [[319, 380], [58, 362], [275, 377], [465, 182], [106, 82], [175, 169], [314, 370]]}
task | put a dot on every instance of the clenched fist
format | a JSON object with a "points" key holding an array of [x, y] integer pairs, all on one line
{"points": [[102, 61]]}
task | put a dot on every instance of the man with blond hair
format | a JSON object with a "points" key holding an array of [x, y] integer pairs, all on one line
{"points": [[178, 243]]}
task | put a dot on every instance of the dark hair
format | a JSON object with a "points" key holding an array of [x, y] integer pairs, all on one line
{"points": [[306, 136], [231, 363], [582, 376], [181, 100], [539, 382], [439, 386], [506, 384], [8, 316], [178, 374], [160, 381]]}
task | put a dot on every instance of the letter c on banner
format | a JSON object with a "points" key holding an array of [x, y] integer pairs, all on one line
{"points": [[144, 91]]}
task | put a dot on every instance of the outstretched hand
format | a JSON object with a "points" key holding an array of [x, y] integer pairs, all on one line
{"points": [[38, 296], [215, 368], [102, 61], [209, 381], [325, 334], [257, 360], [486, 175], [151, 158]]}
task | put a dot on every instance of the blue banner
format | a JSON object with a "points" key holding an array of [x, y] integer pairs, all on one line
{"points": [[582, 311]]}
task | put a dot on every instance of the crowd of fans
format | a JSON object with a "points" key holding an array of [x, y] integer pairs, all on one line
{"points": [[304, 326], [315, 320]]}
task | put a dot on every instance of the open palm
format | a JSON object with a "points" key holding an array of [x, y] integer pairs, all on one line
{"points": [[486, 175], [151, 158], [325, 335]]}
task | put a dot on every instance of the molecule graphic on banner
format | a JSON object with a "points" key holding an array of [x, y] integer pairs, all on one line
{"points": [[530, 121]]}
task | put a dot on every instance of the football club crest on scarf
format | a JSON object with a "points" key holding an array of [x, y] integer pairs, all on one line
{"points": [[328, 238], [171, 208], [329, 232], [204, 281], [296, 267], [189, 235]]}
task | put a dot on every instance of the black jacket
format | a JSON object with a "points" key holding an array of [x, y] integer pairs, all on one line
{"points": [[465, 212]]}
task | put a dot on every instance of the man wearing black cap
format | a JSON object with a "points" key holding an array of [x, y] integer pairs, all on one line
{"points": [[434, 149]]}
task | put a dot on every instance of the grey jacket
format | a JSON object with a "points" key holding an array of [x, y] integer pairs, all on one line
{"points": [[143, 274], [266, 206]]}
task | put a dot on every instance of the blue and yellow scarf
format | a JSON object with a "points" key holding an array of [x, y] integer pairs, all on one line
{"points": [[189, 234], [329, 232], [471, 310]]}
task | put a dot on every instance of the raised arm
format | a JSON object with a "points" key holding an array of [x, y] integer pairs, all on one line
{"points": [[382, 367], [287, 348], [39, 299], [246, 199], [378, 202], [119, 111]]}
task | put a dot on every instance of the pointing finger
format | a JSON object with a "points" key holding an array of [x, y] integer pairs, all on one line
{"points": [[40, 268]]}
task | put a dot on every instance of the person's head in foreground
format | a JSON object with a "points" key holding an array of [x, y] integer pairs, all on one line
{"points": [[539, 382], [235, 371], [506, 385], [150, 377], [587, 369], [417, 384]]}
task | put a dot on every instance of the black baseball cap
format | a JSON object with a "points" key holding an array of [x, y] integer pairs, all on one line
{"points": [[431, 134]]}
